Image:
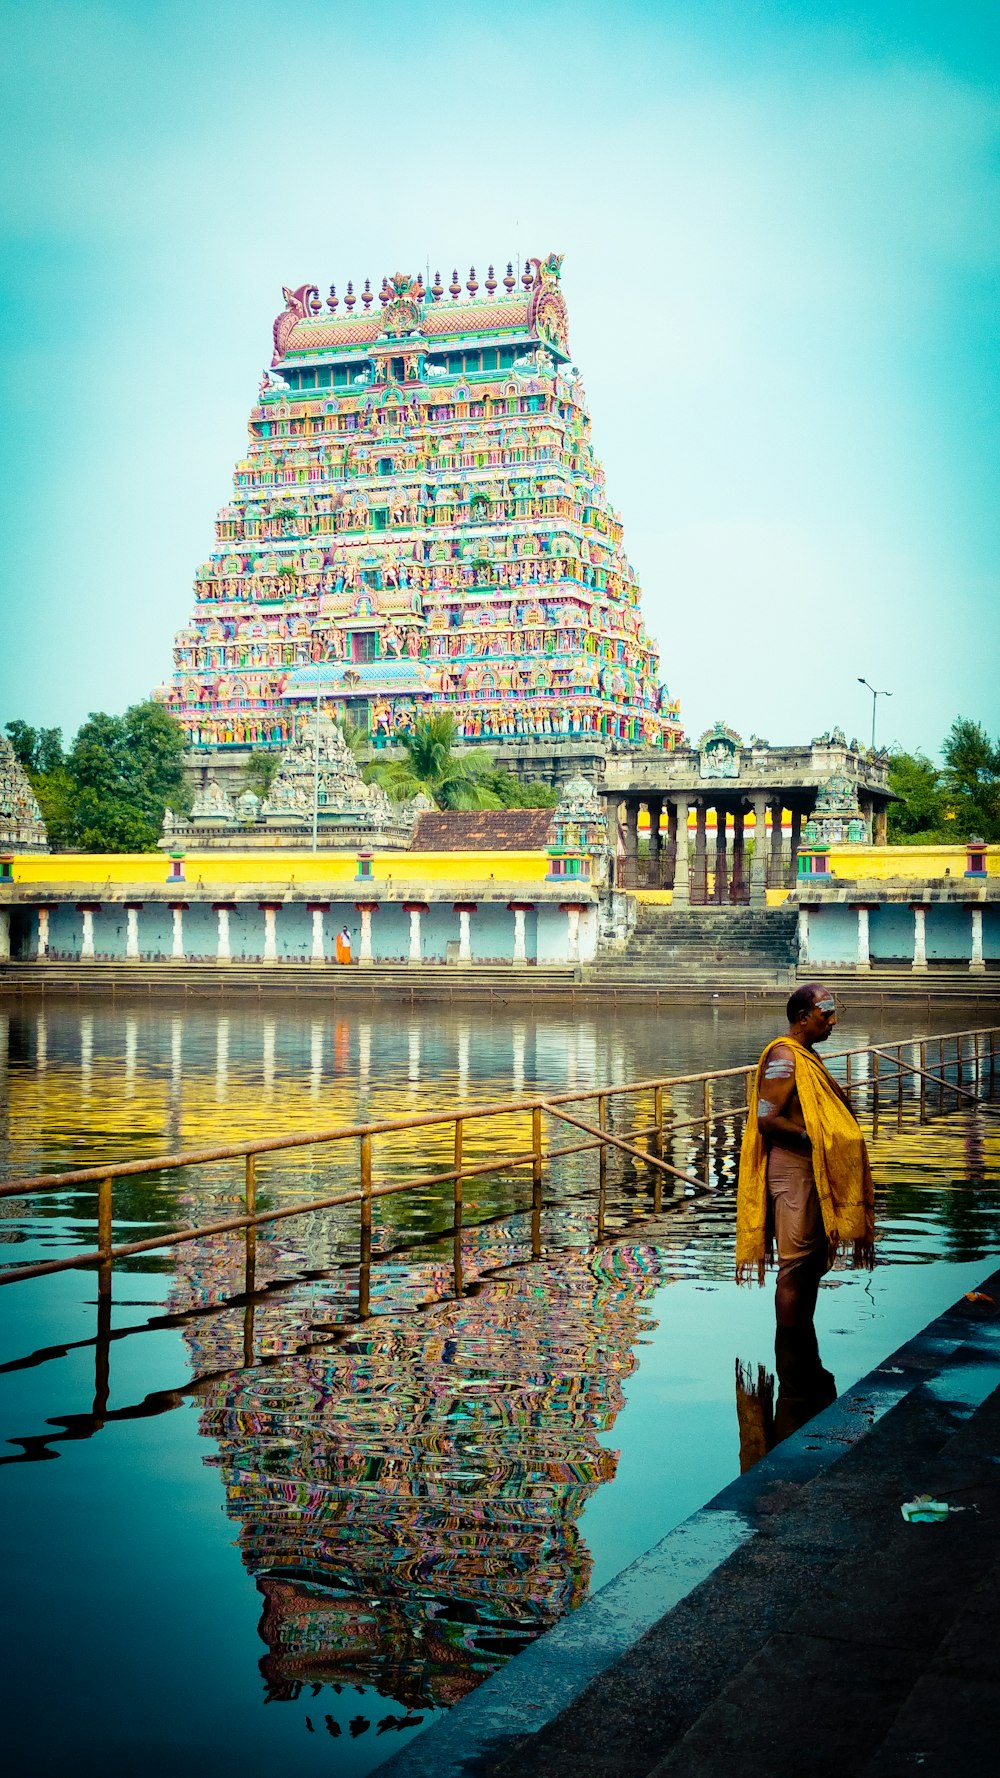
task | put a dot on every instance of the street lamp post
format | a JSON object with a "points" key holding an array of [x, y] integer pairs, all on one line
{"points": [[875, 698]]}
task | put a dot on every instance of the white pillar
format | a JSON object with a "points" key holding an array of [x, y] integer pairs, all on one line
{"points": [[520, 949], [573, 934], [978, 963], [864, 947], [4, 934], [132, 932], [43, 933], [270, 935], [414, 934], [464, 935], [920, 938], [803, 935], [87, 947], [365, 953], [317, 948], [223, 953], [177, 953]]}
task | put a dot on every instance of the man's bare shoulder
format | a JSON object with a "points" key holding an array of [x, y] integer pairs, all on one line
{"points": [[779, 1063]]}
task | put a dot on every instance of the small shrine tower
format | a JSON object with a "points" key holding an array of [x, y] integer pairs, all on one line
{"points": [[21, 826], [420, 523]]}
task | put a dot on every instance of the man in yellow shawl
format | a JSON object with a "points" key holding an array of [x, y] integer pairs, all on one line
{"points": [[805, 1184]]}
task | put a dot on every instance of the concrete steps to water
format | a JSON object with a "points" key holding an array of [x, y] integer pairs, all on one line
{"points": [[329, 981], [742, 946], [797, 1626]]}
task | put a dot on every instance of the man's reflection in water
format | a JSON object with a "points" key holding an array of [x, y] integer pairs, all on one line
{"points": [[805, 1387]]}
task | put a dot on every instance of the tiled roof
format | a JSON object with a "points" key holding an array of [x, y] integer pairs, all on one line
{"points": [[441, 320], [471, 830]]}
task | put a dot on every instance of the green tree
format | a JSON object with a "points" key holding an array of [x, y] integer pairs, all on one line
{"points": [[971, 780], [920, 817], [261, 770], [520, 793], [40, 752], [432, 766], [38, 749], [125, 771]]}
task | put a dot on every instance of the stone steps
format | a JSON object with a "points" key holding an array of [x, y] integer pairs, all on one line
{"points": [[748, 946], [427, 981], [807, 1631]]}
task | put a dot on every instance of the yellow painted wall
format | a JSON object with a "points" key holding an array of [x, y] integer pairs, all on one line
{"points": [[284, 868], [664, 897], [914, 863]]}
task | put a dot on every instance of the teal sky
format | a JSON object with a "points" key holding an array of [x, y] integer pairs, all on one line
{"points": [[780, 224]]}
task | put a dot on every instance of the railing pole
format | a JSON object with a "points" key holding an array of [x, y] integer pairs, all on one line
{"points": [[899, 1086], [602, 1119], [104, 1237], [459, 1206], [602, 1182], [249, 1259], [364, 1275], [875, 1083], [658, 1149], [848, 1075], [922, 1088], [536, 1182]]}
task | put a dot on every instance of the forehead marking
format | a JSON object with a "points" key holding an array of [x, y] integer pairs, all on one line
{"points": [[826, 1005]]}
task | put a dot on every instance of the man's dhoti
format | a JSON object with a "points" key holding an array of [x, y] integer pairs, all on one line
{"points": [[799, 1235]]}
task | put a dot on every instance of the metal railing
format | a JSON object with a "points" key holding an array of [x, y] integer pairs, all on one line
{"points": [[665, 1108]]}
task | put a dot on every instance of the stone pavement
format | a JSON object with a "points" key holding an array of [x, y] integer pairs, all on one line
{"points": [[797, 1626]]}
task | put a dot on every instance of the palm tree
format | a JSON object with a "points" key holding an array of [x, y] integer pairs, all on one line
{"points": [[432, 766]]}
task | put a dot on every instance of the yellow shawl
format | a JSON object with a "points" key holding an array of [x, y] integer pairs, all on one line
{"points": [[840, 1169]]}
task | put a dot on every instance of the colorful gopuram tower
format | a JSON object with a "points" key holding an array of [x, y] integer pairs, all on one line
{"points": [[420, 522]]}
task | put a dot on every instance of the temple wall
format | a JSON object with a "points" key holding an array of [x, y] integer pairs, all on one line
{"points": [[833, 935], [285, 868], [922, 863]]}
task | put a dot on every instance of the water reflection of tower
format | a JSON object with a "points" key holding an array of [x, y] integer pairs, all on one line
{"points": [[409, 1498]]}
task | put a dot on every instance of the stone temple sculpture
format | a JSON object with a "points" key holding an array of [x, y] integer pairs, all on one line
{"points": [[349, 811], [21, 826]]}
